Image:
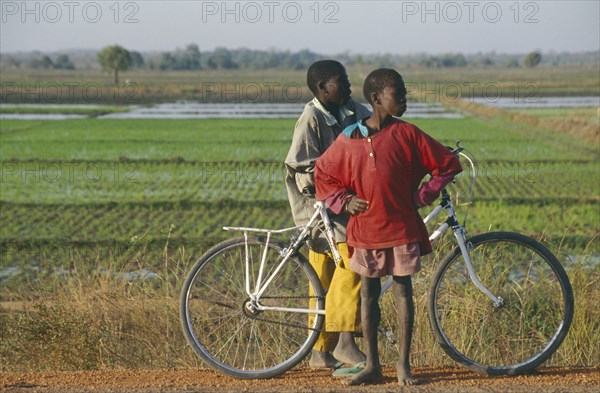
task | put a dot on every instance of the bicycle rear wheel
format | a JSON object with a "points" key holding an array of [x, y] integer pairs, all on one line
{"points": [[229, 336], [517, 336]]}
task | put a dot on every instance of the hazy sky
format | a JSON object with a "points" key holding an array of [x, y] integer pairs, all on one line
{"points": [[327, 27]]}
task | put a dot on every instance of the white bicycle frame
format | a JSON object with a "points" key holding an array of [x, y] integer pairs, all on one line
{"points": [[321, 211]]}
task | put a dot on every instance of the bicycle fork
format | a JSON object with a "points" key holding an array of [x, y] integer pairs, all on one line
{"points": [[459, 234]]}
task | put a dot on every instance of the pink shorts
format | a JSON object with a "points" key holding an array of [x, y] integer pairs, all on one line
{"points": [[401, 260]]}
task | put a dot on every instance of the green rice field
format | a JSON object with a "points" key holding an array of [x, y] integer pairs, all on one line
{"points": [[80, 185]]}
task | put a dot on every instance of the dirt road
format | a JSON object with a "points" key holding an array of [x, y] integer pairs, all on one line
{"points": [[433, 380]]}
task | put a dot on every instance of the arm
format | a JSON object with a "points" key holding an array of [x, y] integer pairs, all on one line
{"points": [[304, 151], [442, 164], [333, 188], [346, 201], [430, 190]]}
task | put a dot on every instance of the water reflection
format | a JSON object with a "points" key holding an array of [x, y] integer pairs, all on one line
{"points": [[539, 102], [196, 110]]}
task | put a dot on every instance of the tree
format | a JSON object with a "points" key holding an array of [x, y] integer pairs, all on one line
{"points": [[167, 62], [114, 58], [457, 60], [190, 59], [532, 59], [63, 62], [221, 59], [137, 60], [512, 63], [41, 62]]}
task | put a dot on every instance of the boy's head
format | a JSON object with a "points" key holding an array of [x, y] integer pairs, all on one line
{"points": [[327, 80], [385, 87], [378, 80]]}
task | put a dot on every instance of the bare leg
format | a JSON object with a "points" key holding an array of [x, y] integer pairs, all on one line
{"points": [[370, 317], [320, 359], [346, 349], [403, 295]]}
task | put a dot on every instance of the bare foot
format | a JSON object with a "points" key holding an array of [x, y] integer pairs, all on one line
{"points": [[406, 378], [320, 359], [368, 376], [346, 350]]}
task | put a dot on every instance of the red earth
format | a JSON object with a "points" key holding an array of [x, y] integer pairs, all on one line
{"points": [[546, 379]]}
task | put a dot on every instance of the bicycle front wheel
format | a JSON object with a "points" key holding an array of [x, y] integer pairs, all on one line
{"points": [[220, 323], [517, 336]]}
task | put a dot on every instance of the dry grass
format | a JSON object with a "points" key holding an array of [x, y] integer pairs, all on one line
{"points": [[282, 85], [104, 321], [582, 128], [98, 320]]}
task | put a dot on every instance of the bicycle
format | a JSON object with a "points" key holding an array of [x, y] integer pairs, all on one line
{"points": [[500, 303]]}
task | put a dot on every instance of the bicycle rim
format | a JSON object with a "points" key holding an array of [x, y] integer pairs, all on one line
{"points": [[521, 334], [235, 341]]}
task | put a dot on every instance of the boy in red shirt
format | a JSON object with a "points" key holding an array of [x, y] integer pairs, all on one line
{"points": [[374, 171]]}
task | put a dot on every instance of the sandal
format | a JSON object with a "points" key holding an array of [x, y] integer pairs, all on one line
{"points": [[349, 371]]}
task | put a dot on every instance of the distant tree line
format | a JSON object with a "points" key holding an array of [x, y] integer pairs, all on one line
{"points": [[61, 62], [192, 58], [457, 60]]}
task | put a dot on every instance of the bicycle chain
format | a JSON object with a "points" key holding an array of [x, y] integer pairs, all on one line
{"points": [[285, 323]]}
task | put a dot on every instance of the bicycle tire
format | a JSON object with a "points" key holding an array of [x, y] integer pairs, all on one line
{"points": [[233, 340], [521, 334]]}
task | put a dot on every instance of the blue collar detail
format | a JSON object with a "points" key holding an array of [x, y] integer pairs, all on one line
{"points": [[364, 131]]}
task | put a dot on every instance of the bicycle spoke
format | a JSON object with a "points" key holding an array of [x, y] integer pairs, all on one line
{"points": [[227, 331], [518, 332]]}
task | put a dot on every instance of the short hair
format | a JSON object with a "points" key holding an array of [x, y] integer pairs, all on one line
{"points": [[322, 71], [378, 80]]}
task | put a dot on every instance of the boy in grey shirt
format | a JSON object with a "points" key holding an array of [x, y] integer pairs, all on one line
{"points": [[322, 120]]}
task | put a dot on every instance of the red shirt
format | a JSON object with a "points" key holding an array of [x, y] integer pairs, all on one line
{"points": [[385, 169]]}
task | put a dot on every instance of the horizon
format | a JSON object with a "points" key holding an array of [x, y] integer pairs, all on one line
{"points": [[415, 54]]}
